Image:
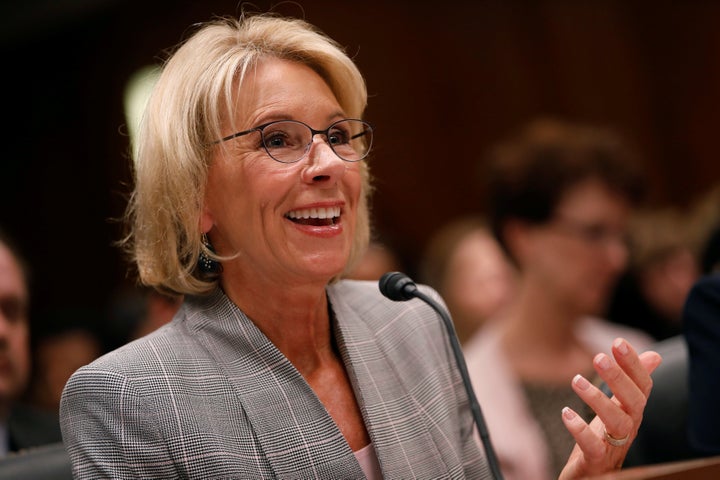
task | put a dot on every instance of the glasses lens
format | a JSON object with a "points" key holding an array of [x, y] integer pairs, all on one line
{"points": [[350, 139], [286, 141]]}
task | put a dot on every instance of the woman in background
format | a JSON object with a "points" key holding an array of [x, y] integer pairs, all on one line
{"points": [[465, 264], [560, 199]]}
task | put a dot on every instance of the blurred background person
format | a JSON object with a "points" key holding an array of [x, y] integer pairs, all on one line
{"points": [[134, 311], [15, 359], [560, 198], [663, 267], [17, 429], [63, 340], [379, 258], [465, 264], [57, 352]]}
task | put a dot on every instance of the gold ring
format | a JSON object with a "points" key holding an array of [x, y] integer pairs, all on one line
{"points": [[615, 442]]}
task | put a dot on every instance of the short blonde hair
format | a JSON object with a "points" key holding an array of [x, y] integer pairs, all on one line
{"points": [[184, 116]]}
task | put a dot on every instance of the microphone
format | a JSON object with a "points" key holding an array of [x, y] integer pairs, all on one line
{"points": [[399, 287]]}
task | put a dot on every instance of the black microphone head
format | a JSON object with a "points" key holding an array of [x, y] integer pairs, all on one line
{"points": [[397, 286]]}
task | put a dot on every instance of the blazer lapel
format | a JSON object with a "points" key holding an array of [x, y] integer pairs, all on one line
{"points": [[368, 346], [292, 427]]}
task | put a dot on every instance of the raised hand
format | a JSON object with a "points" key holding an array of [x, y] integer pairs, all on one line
{"points": [[603, 443]]}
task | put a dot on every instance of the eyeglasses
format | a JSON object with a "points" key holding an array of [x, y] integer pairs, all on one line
{"points": [[288, 141], [592, 233]]}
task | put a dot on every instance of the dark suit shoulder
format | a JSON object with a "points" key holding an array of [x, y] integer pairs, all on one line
{"points": [[702, 305]]}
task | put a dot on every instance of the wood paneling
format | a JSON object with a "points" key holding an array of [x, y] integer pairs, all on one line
{"points": [[446, 79]]}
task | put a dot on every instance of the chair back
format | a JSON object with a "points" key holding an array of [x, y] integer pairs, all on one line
{"points": [[46, 462]]}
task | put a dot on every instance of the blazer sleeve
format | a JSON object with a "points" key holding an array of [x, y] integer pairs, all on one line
{"points": [[108, 431], [701, 322]]}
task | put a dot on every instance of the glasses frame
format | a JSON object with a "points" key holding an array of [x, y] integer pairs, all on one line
{"points": [[326, 132], [595, 235]]}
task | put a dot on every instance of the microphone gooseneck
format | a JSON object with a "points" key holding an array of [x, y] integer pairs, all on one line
{"points": [[399, 287]]}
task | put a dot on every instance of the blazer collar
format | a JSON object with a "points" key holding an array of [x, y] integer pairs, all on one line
{"points": [[369, 348], [293, 429]]}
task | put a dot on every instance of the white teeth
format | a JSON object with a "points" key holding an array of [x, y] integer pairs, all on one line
{"points": [[329, 212]]}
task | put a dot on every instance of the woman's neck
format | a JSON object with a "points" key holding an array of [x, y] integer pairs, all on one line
{"points": [[294, 318], [539, 338]]}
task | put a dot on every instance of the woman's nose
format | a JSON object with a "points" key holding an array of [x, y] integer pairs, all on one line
{"points": [[323, 164], [618, 254]]}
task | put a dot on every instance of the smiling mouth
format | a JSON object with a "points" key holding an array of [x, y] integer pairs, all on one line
{"points": [[317, 217]]}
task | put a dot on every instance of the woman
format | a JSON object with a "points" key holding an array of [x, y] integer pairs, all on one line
{"points": [[251, 200], [463, 262], [560, 199]]}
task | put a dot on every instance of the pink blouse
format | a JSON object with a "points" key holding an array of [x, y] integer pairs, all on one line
{"points": [[369, 462]]}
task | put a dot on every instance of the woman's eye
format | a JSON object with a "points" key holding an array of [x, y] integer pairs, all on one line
{"points": [[275, 140], [338, 137]]}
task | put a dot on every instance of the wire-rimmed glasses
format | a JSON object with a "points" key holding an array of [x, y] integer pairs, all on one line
{"points": [[288, 141]]}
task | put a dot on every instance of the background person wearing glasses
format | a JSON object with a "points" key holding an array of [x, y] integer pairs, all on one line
{"points": [[560, 198], [274, 368]]}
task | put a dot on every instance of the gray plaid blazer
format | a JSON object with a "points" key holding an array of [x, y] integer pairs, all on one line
{"points": [[208, 396]]}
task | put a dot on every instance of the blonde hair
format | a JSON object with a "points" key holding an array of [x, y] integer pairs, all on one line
{"points": [[183, 118]]}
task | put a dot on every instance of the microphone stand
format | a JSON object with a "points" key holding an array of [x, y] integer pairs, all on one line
{"points": [[398, 286]]}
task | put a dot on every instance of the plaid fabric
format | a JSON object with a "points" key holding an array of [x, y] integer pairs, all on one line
{"points": [[208, 396]]}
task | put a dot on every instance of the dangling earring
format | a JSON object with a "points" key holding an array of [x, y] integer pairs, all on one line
{"points": [[206, 265]]}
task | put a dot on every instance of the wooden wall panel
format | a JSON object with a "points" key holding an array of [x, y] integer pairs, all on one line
{"points": [[446, 80]]}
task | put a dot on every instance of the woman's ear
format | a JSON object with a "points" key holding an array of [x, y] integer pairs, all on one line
{"points": [[206, 219]]}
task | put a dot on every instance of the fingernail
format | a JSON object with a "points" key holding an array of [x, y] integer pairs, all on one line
{"points": [[568, 413], [581, 383], [603, 362], [621, 346]]}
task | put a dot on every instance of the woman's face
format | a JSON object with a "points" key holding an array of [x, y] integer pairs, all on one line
{"points": [[479, 278], [578, 255], [14, 328], [285, 222]]}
